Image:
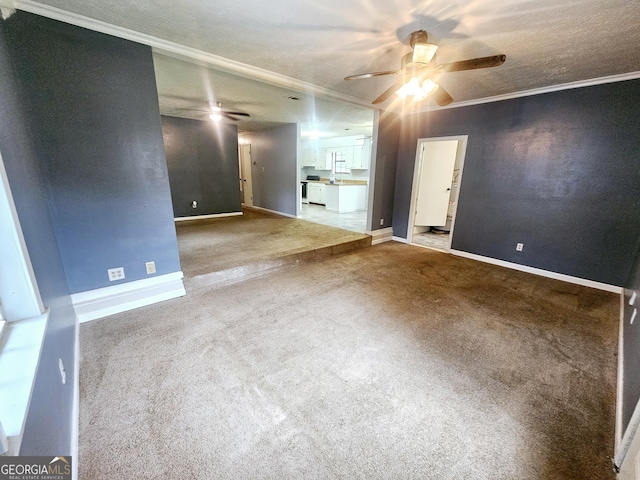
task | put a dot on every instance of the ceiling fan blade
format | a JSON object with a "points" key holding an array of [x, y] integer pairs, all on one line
{"points": [[442, 97], [192, 110], [373, 74], [240, 114], [387, 93], [482, 62], [230, 116]]}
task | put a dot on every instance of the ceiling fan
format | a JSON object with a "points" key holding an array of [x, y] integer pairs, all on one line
{"points": [[419, 72], [216, 113]]}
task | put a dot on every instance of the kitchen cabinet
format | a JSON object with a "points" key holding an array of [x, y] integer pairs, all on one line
{"points": [[324, 160], [361, 156], [348, 156], [344, 198], [316, 193], [309, 156]]}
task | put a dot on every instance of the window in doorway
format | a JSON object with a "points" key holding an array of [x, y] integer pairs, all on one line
{"points": [[340, 163]]}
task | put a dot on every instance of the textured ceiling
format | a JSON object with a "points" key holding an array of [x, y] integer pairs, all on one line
{"points": [[547, 42], [184, 88]]}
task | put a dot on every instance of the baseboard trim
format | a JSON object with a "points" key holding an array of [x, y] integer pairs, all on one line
{"points": [[381, 236], [400, 239], [539, 271], [271, 211], [213, 215], [103, 302]]}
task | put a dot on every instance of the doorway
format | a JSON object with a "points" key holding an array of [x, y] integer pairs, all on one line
{"points": [[436, 187], [246, 184]]}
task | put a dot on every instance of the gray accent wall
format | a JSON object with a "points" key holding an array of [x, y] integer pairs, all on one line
{"points": [[48, 428], [202, 158], [93, 112], [275, 168], [558, 172], [386, 158], [81, 140]]}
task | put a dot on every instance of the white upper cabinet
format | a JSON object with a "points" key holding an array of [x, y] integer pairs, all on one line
{"points": [[309, 157], [325, 159], [362, 156], [354, 154]]}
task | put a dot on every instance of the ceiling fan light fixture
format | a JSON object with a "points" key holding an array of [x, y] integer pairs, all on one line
{"points": [[216, 110], [409, 89], [429, 87], [416, 91], [215, 107]]}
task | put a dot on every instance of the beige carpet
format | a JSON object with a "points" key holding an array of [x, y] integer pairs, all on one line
{"points": [[257, 238], [388, 362]]}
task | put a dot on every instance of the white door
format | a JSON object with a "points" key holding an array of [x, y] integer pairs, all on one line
{"points": [[434, 187], [247, 186]]}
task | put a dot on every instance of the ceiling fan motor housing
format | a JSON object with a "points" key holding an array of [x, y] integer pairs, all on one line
{"points": [[419, 36]]}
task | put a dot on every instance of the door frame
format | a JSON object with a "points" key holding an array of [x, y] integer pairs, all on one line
{"points": [[19, 293], [417, 169], [246, 173]]}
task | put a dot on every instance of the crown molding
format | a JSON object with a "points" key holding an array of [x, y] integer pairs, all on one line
{"points": [[539, 91], [182, 52], [7, 8]]}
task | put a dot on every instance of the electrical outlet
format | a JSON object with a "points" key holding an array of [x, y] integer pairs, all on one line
{"points": [[115, 274], [382, 221], [63, 372], [151, 267], [194, 204], [519, 246]]}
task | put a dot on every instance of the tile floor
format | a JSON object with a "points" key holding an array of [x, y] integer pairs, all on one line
{"points": [[439, 241], [355, 221]]}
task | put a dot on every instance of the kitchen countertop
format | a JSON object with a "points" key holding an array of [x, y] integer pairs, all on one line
{"points": [[342, 182], [345, 184]]}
